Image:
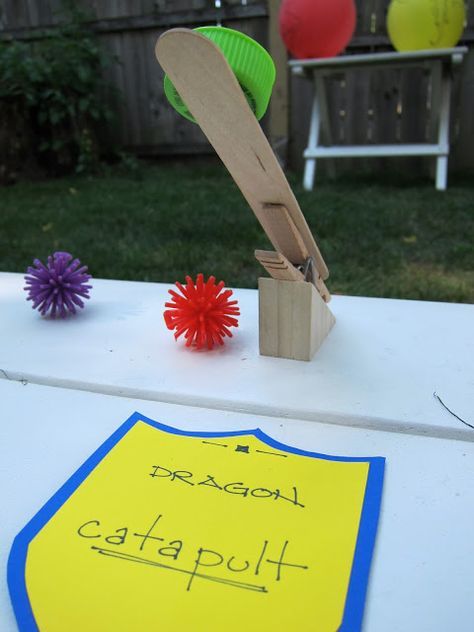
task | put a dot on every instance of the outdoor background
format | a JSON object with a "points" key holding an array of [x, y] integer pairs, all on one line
{"points": [[94, 160]]}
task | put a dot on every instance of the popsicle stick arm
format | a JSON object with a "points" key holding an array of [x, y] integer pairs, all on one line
{"points": [[206, 83]]}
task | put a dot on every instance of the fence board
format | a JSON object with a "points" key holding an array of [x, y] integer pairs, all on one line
{"points": [[15, 14], [115, 74], [463, 154]]}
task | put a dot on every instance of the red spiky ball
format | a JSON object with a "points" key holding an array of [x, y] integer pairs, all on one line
{"points": [[202, 312]]}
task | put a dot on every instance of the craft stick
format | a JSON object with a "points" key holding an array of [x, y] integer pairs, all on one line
{"points": [[283, 233], [206, 83], [322, 289]]}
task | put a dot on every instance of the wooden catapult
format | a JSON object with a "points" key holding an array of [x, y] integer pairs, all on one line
{"points": [[294, 318]]}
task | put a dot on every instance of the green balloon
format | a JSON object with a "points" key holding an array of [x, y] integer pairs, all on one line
{"points": [[425, 24]]}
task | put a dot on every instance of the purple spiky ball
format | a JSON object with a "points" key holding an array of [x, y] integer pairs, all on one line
{"points": [[59, 286]]}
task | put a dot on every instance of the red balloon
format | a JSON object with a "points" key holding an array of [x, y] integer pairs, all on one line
{"points": [[317, 28]]}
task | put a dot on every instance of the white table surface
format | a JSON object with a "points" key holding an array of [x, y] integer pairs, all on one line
{"points": [[378, 368], [421, 579]]}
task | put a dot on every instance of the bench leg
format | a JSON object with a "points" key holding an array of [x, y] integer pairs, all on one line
{"points": [[443, 131], [313, 138]]}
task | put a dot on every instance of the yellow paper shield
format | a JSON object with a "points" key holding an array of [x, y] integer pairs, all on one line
{"points": [[167, 530]]}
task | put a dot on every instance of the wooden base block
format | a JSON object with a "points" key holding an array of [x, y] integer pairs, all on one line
{"points": [[293, 319]]}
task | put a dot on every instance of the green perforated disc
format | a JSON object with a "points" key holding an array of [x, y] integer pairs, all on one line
{"points": [[250, 62]]}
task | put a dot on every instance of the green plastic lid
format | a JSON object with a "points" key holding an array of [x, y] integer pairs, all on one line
{"points": [[250, 62]]}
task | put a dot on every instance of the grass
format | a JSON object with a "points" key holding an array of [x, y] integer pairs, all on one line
{"points": [[392, 239]]}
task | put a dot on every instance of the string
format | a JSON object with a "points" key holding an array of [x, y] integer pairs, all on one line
{"points": [[435, 394]]}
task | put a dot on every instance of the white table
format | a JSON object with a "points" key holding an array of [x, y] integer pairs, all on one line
{"points": [[378, 368], [68, 384], [440, 63], [421, 577]]}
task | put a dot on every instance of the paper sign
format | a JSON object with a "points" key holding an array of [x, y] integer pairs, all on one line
{"points": [[163, 529]]}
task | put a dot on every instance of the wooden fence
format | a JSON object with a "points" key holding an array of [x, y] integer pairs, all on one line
{"points": [[367, 106]]}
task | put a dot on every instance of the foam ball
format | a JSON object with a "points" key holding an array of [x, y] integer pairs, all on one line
{"points": [[58, 286], [316, 28], [425, 24], [202, 312]]}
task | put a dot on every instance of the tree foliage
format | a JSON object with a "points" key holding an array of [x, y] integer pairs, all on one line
{"points": [[52, 100]]}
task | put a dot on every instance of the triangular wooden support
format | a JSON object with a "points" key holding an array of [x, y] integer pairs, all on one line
{"points": [[293, 319]]}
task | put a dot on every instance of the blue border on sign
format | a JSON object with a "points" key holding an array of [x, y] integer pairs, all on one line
{"points": [[356, 593]]}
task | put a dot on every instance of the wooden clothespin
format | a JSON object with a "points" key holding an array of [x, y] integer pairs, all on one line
{"points": [[293, 315]]}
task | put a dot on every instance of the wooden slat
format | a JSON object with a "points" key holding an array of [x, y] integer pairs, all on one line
{"points": [[376, 59], [278, 266], [40, 13], [16, 15], [414, 114], [116, 72], [282, 232], [462, 155], [372, 151]]}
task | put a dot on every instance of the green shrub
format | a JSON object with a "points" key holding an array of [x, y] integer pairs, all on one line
{"points": [[52, 101]]}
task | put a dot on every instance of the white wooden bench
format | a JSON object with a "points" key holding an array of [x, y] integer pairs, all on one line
{"points": [[439, 62]]}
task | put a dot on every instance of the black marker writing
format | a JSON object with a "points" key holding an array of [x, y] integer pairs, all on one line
{"points": [[194, 562], [237, 488]]}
